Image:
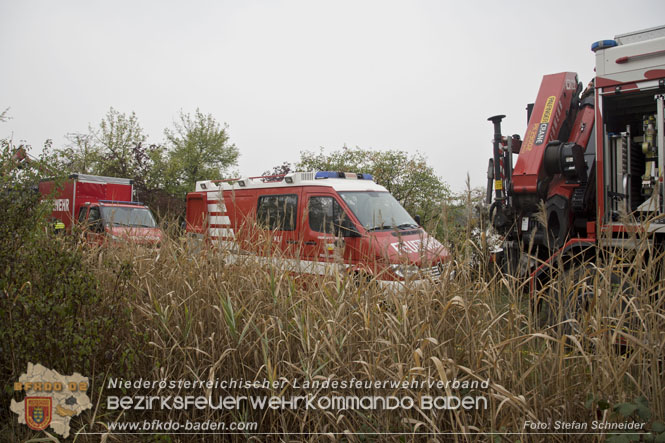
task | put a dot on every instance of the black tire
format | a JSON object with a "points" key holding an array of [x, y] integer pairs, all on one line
{"points": [[567, 300], [571, 299]]}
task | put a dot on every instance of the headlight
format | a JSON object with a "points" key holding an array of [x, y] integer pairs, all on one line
{"points": [[117, 238], [404, 271]]}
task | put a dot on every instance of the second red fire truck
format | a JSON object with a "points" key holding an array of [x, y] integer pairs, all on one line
{"points": [[317, 222], [104, 207]]}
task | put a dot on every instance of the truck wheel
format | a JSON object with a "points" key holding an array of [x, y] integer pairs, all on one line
{"points": [[365, 281], [566, 300], [194, 244], [576, 299], [572, 297]]}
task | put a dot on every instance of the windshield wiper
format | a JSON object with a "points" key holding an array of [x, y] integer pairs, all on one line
{"points": [[378, 228], [407, 225]]}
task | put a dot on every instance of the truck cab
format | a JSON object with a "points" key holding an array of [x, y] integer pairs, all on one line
{"points": [[119, 221]]}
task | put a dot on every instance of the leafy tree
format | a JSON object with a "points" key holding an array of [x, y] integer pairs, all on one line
{"points": [[407, 177], [155, 166], [118, 148], [200, 150], [282, 169], [80, 155], [120, 140], [465, 217]]}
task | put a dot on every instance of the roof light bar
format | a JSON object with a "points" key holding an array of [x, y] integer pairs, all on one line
{"points": [[348, 175], [118, 202], [326, 174], [603, 44]]}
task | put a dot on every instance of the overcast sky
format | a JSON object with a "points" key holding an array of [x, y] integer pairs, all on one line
{"points": [[288, 76]]}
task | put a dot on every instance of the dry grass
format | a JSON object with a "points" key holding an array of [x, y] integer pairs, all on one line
{"points": [[196, 318]]}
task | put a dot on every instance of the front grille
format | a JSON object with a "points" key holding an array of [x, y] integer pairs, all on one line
{"points": [[433, 272]]}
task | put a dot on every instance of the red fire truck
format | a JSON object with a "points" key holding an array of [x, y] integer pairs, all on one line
{"points": [[593, 159], [316, 222], [103, 206]]}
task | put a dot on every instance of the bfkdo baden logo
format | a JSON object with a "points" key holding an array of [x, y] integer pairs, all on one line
{"points": [[38, 412], [51, 399]]}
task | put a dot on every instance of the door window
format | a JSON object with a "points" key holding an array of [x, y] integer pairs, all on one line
{"points": [[94, 214], [326, 215], [277, 212], [95, 219], [84, 210]]}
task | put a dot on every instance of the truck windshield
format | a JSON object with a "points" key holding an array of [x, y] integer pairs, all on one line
{"points": [[378, 210], [123, 216]]}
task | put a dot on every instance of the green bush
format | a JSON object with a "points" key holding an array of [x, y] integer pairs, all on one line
{"points": [[52, 309]]}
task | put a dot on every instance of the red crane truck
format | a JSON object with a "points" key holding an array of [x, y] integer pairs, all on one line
{"points": [[592, 159], [104, 207]]}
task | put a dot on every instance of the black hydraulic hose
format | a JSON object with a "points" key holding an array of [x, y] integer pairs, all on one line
{"points": [[491, 211]]}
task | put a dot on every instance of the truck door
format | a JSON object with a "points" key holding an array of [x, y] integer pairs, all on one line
{"points": [[277, 219], [82, 215], [95, 226], [197, 208], [83, 218], [323, 238]]}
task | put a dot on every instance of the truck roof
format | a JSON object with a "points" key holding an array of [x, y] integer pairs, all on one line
{"points": [[339, 181], [641, 35], [89, 178], [116, 203], [632, 57]]}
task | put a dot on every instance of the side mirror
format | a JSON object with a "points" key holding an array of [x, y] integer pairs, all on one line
{"points": [[417, 219], [346, 229], [98, 226], [350, 232]]}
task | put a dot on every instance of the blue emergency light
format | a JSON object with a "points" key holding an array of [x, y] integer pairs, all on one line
{"points": [[327, 174], [603, 44]]}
